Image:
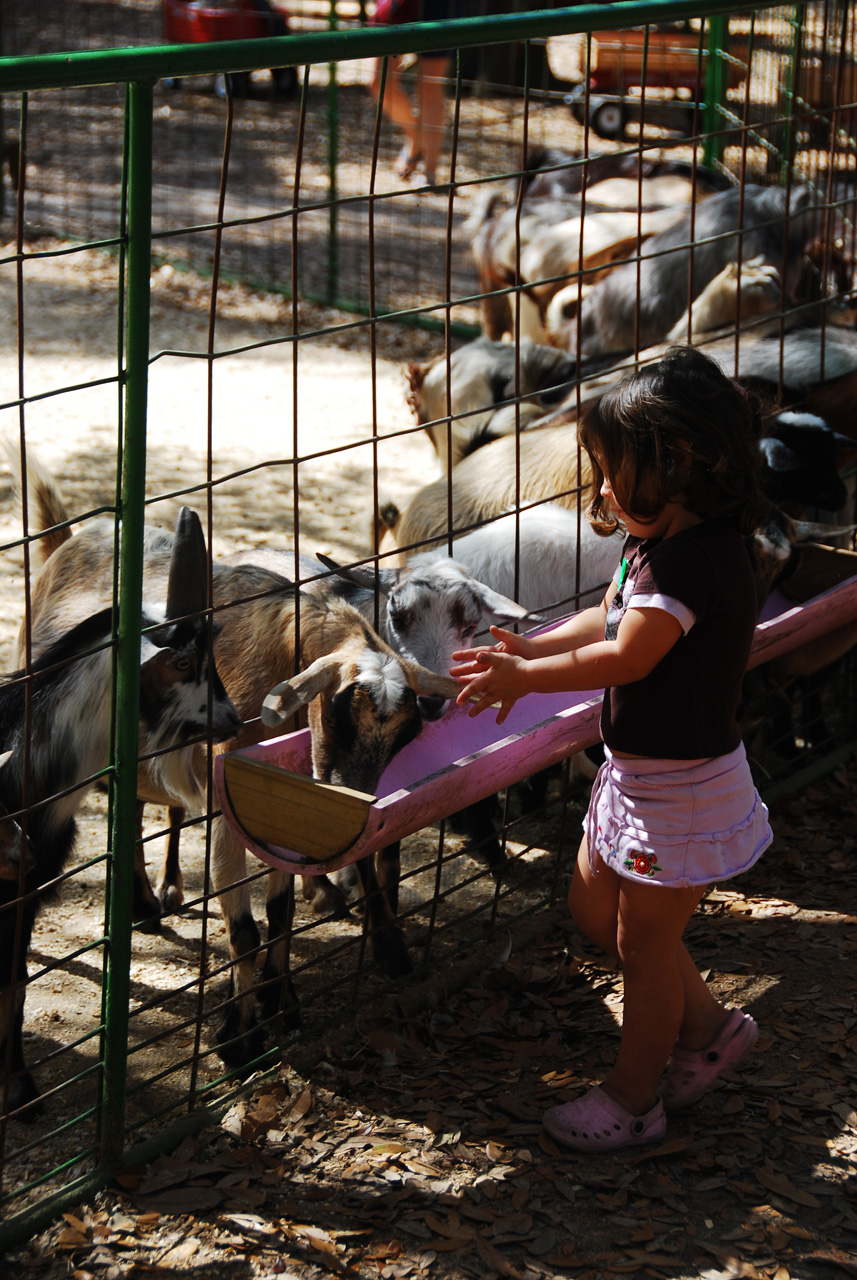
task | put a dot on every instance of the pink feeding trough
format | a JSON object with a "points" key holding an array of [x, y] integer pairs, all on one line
{"points": [[298, 825]]}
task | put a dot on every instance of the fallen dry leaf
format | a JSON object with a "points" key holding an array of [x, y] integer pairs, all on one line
{"points": [[771, 1180]]}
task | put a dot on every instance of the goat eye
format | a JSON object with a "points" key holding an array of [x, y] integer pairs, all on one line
{"points": [[183, 664], [468, 633]]}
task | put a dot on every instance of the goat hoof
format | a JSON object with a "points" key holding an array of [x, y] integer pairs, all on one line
{"points": [[277, 997], [25, 1099], [171, 899], [238, 1047], [390, 953], [148, 918], [331, 901]]}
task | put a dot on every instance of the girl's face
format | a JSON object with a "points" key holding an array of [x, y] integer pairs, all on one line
{"points": [[672, 518]]}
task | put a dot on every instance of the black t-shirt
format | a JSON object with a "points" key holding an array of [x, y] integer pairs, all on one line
{"points": [[686, 708]]}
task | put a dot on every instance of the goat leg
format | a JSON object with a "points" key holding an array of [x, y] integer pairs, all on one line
{"points": [[17, 1089], [389, 867], [170, 892], [476, 823], [240, 1038], [386, 937], [277, 995], [146, 904]]}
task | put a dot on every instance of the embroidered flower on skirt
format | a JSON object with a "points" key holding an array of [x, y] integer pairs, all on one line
{"points": [[644, 864]]}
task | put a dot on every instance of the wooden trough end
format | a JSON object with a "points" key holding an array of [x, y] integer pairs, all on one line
{"points": [[298, 825]]}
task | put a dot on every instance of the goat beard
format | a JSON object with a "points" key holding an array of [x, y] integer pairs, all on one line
{"points": [[180, 775]]}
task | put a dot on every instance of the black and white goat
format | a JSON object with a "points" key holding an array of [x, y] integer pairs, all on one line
{"points": [[638, 303], [55, 727], [359, 697]]}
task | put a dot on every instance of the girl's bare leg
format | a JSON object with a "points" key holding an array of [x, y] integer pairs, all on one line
{"points": [[665, 995], [651, 922]]}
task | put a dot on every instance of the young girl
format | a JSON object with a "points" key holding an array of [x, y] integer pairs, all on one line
{"points": [[672, 449]]}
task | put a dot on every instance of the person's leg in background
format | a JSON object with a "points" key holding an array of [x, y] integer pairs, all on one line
{"points": [[431, 126], [398, 108]]}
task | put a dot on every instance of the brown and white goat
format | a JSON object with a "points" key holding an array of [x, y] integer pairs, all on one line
{"points": [[494, 389], [425, 611]]}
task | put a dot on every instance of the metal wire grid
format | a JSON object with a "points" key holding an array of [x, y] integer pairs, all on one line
{"points": [[176, 994]]}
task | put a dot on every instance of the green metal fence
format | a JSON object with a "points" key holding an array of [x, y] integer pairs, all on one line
{"points": [[332, 284]]}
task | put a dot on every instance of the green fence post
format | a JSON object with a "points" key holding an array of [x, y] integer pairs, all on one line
{"points": [[332, 154], [715, 88], [132, 512]]}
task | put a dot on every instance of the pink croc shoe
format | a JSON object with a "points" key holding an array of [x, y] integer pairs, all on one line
{"points": [[594, 1122], [692, 1072]]}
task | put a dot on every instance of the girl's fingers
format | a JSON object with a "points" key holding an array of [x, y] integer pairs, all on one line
{"points": [[477, 663]]}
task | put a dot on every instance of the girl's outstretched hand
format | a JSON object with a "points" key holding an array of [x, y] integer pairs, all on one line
{"points": [[495, 674]]}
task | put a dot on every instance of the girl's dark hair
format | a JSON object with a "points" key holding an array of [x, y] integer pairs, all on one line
{"points": [[675, 427]]}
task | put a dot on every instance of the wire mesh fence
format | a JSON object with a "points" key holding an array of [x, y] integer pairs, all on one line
{"points": [[293, 273]]}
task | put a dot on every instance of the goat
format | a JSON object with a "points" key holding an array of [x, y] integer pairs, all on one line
{"points": [[429, 609], [637, 304], [72, 586], [537, 242], [737, 294], [361, 704], [57, 735], [494, 389]]}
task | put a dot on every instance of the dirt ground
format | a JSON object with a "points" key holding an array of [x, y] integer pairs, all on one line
{"points": [[412, 1146]]}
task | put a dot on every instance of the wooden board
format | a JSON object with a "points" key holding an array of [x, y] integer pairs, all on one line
{"points": [[276, 806]]}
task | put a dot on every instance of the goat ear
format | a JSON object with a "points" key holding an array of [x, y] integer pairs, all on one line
{"points": [[289, 696], [362, 575], [187, 589], [777, 455], [501, 607]]}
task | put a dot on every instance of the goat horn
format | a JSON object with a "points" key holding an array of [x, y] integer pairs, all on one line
{"points": [[806, 530], [289, 696], [363, 575], [187, 589]]}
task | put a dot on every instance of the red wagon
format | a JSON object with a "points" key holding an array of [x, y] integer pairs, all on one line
{"points": [[195, 22], [667, 58]]}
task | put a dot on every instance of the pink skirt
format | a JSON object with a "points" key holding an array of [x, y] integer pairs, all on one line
{"points": [[676, 822]]}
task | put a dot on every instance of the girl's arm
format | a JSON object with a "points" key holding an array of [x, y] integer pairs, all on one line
{"points": [[503, 675], [581, 628]]}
